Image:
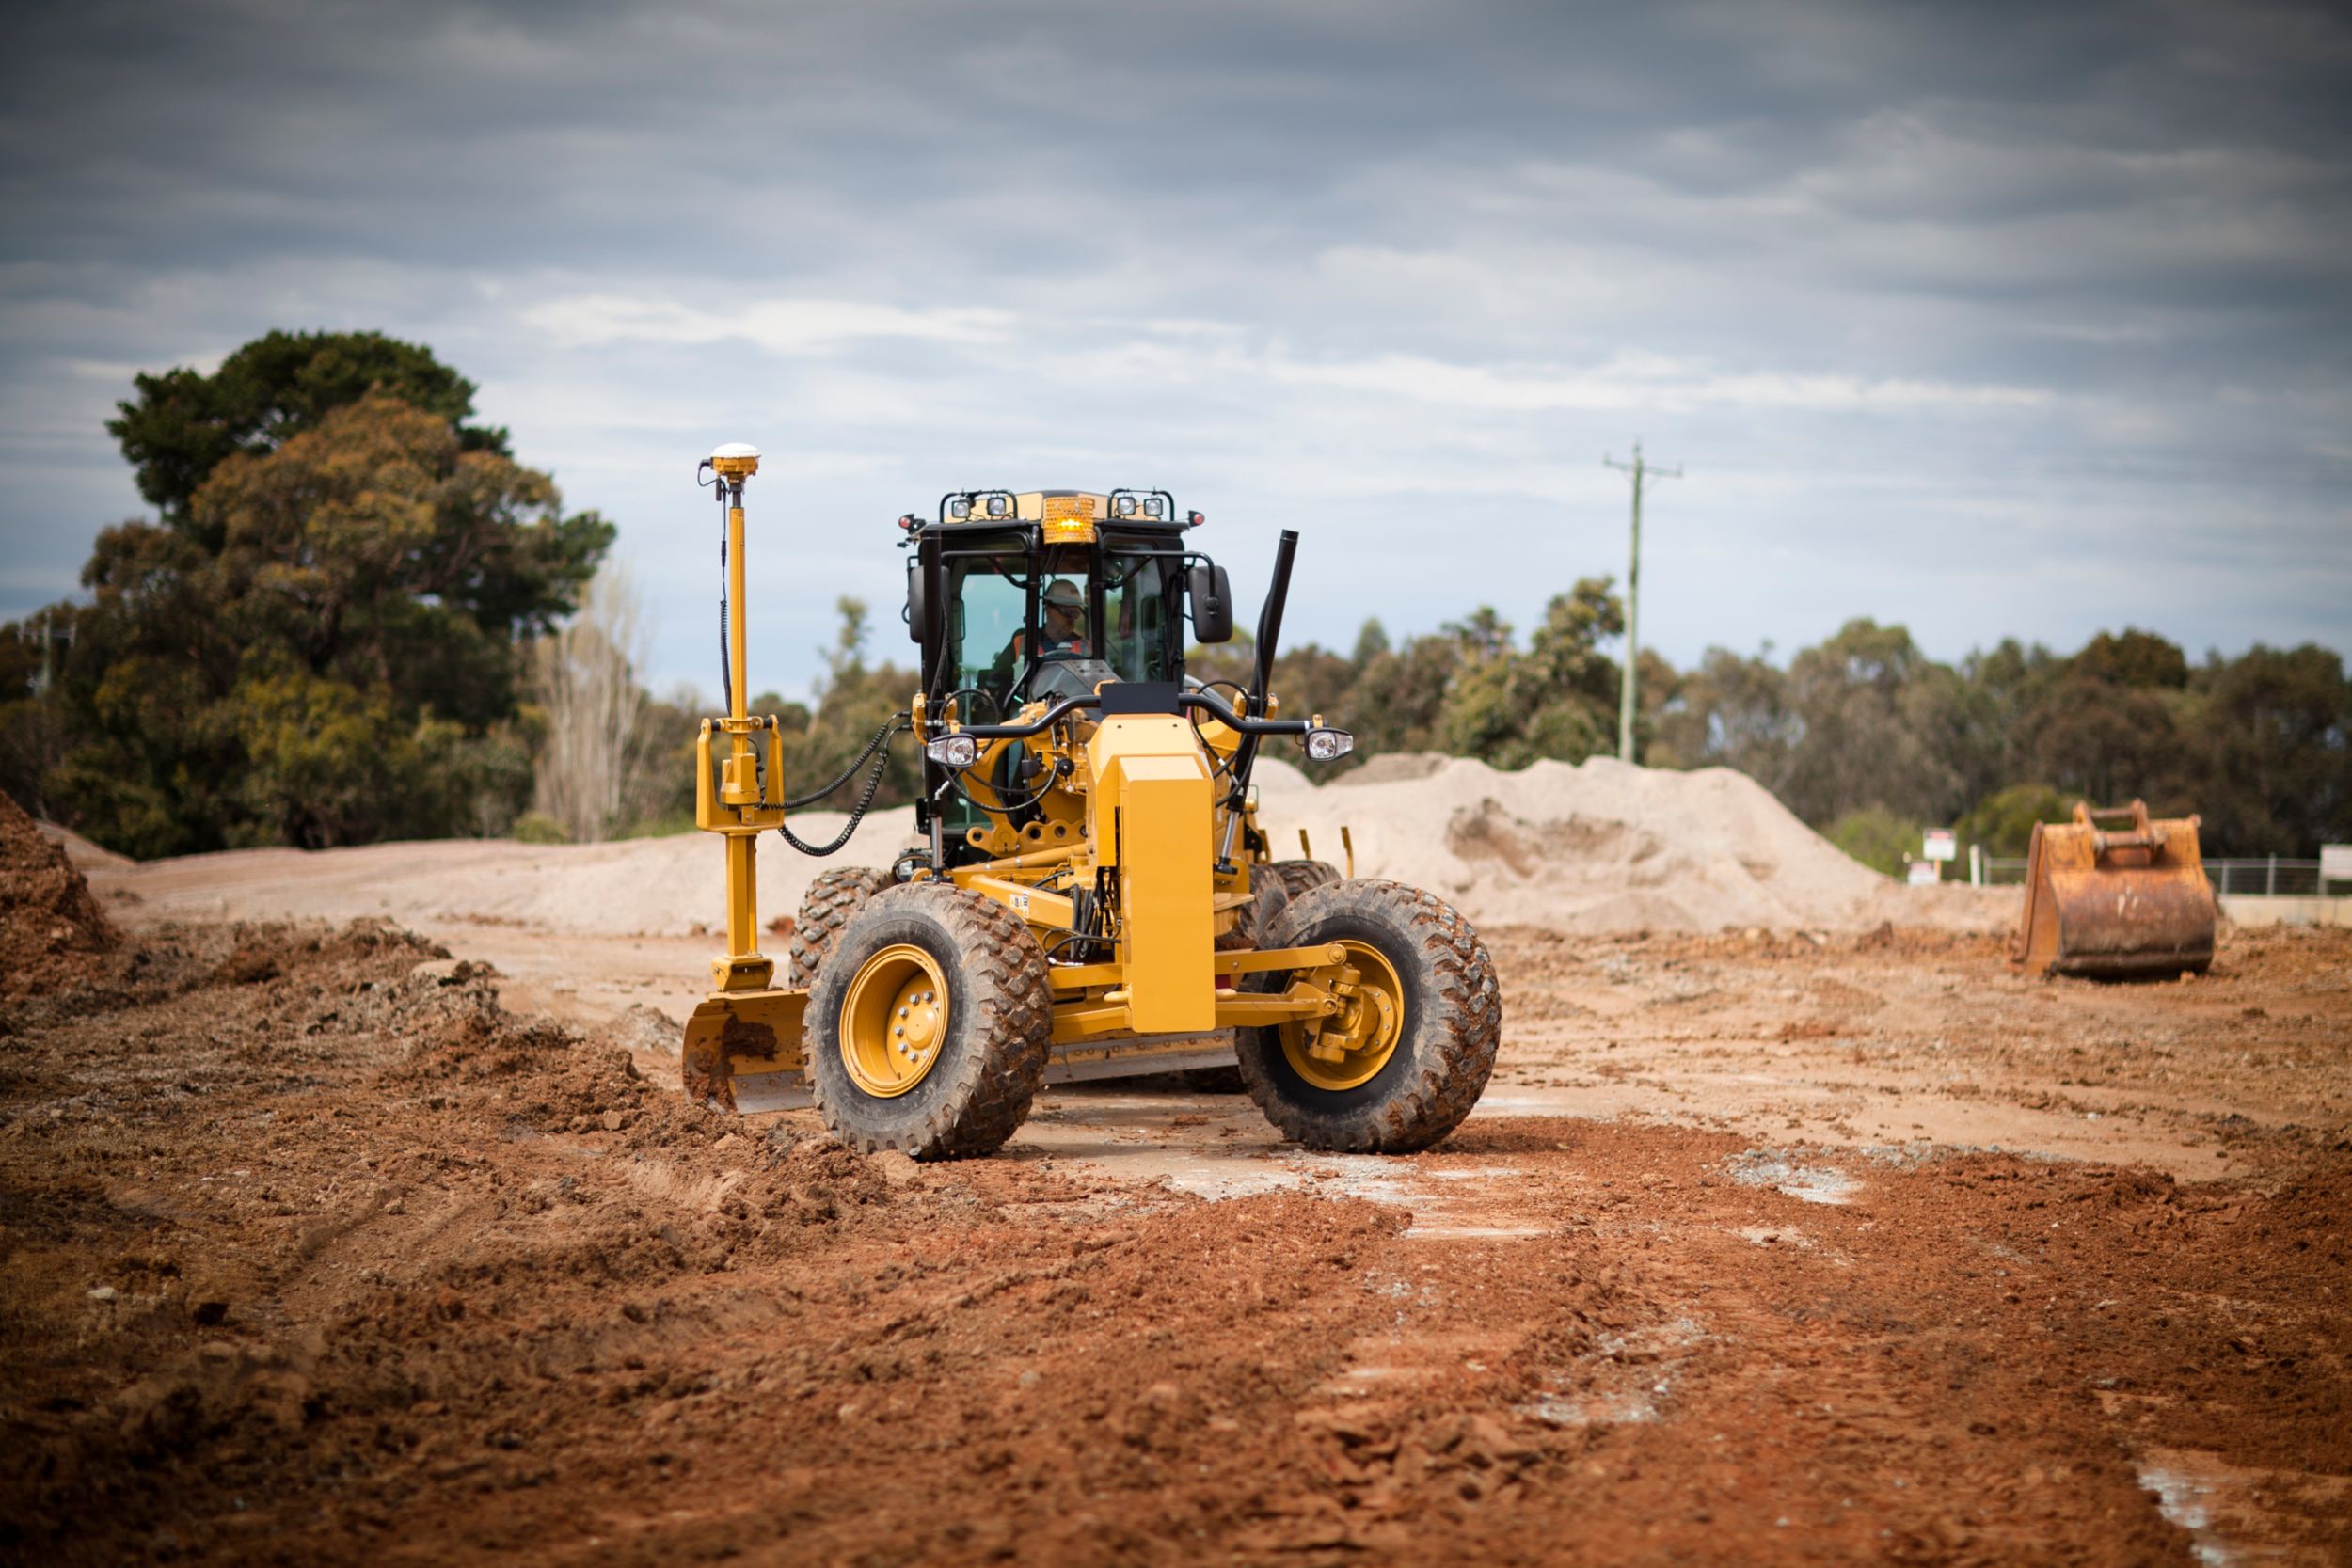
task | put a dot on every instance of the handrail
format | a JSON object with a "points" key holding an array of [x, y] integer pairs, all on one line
{"points": [[1237, 722], [1038, 725]]}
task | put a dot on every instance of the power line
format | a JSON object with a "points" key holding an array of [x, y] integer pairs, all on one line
{"points": [[1640, 470]]}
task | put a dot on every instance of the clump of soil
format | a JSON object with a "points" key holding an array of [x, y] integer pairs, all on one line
{"points": [[49, 926]]}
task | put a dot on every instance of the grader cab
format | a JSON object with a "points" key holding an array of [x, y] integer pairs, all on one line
{"points": [[1090, 893]]}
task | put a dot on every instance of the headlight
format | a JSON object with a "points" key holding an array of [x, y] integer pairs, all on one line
{"points": [[1328, 745], [952, 750]]}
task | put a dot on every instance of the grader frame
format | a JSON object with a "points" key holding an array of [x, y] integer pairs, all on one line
{"points": [[1117, 825]]}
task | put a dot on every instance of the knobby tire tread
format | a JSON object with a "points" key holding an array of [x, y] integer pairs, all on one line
{"points": [[1460, 1026], [1298, 877], [832, 900], [1007, 1006]]}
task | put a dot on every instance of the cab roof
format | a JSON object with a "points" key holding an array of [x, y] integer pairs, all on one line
{"points": [[1126, 508]]}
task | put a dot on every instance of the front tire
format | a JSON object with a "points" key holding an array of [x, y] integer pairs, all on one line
{"points": [[831, 903], [927, 1029], [1419, 1037]]}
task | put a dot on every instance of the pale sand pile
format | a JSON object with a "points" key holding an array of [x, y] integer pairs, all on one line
{"points": [[674, 886], [1601, 847]]}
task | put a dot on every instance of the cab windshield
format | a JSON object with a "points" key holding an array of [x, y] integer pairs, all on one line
{"points": [[1024, 627], [1015, 615]]}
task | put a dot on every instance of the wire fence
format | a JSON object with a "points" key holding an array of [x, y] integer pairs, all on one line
{"points": [[2263, 876]]}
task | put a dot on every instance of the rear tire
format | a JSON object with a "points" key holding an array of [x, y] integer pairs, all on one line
{"points": [[993, 1011], [831, 903], [1440, 1028], [1298, 877]]}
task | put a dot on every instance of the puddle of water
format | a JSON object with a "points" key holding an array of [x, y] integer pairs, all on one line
{"points": [[1631, 1374], [1593, 1410], [1442, 1231], [1371, 1177], [2233, 1514], [1759, 1167]]}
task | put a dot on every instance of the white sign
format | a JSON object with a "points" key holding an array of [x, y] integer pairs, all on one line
{"points": [[1925, 873], [1941, 843], [2335, 862]]}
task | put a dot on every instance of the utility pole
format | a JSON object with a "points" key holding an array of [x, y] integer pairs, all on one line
{"points": [[1639, 469]]}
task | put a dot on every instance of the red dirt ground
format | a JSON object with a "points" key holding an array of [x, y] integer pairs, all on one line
{"points": [[310, 1252]]}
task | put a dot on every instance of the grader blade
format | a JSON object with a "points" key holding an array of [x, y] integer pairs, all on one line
{"points": [[743, 1052], [2115, 904]]}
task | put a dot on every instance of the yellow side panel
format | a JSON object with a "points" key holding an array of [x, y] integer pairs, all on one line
{"points": [[1165, 857], [1154, 822]]}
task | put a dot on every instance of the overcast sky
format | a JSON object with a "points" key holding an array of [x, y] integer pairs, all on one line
{"points": [[1996, 320]]}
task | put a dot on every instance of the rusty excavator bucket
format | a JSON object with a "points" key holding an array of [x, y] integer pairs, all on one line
{"points": [[2113, 904]]}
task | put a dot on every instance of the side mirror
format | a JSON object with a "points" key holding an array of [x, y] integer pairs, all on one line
{"points": [[1212, 602], [919, 605]]}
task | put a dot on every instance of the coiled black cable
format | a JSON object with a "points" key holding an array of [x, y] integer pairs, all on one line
{"points": [[857, 814], [881, 738], [727, 649], [865, 799]]}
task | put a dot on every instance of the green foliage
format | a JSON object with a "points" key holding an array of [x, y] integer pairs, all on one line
{"points": [[1732, 711], [2275, 763], [853, 700], [1877, 837], [2002, 822], [1883, 726], [2132, 658], [1466, 688], [537, 826], [1864, 734], [184, 424], [319, 644], [2260, 746]]}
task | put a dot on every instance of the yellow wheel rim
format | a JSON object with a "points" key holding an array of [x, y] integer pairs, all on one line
{"points": [[894, 1020], [1356, 1043]]}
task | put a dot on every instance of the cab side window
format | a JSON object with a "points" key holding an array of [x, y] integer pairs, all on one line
{"points": [[1137, 605], [989, 610]]}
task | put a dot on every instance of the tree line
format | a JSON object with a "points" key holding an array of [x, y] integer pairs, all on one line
{"points": [[357, 616], [1868, 738]]}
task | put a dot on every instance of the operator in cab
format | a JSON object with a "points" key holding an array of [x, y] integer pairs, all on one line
{"points": [[1061, 638]]}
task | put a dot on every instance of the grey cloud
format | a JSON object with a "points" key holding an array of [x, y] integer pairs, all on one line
{"points": [[1890, 277]]}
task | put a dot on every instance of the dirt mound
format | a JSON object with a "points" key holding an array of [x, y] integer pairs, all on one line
{"points": [[669, 886], [49, 926], [1603, 847], [81, 851]]}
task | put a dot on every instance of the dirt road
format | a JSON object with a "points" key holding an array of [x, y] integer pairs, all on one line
{"points": [[313, 1249]]}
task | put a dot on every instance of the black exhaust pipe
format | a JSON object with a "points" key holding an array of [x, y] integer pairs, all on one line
{"points": [[1269, 635]]}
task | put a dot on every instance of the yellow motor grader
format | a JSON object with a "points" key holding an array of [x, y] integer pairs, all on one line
{"points": [[1090, 893]]}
